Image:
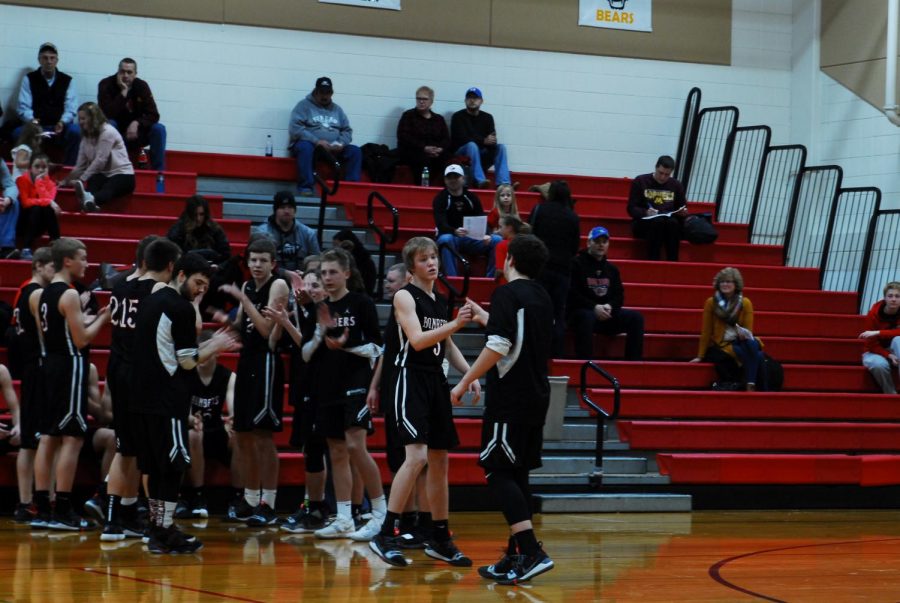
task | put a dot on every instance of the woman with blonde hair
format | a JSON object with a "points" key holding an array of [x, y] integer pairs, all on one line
{"points": [[727, 338], [103, 171], [504, 205]]}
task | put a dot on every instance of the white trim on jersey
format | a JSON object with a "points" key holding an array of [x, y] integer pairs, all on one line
{"points": [[75, 393], [504, 445], [400, 404], [165, 345], [505, 364], [178, 446], [403, 354], [267, 394]]}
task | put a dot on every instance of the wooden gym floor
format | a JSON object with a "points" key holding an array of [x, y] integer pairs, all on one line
{"points": [[816, 556]]}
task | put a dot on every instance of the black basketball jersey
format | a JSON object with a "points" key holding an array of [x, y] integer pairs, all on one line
{"points": [[57, 338], [28, 342], [253, 342], [123, 307], [342, 374], [166, 329], [519, 327], [432, 314], [208, 399]]}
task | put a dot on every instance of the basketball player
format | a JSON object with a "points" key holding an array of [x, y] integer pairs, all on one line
{"points": [[515, 359]]}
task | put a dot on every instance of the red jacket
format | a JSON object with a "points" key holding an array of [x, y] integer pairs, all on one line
{"points": [[40, 193], [888, 327]]}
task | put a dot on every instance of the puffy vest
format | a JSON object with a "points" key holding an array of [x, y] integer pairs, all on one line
{"points": [[48, 103]]}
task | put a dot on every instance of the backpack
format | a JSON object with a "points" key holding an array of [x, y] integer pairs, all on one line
{"points": [[771, 373], [698, 229], [379, 161]]}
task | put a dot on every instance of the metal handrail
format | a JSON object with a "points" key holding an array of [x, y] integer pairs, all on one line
{"points": [[596, 479], [452, 292], [383, 237], [326, 191]]}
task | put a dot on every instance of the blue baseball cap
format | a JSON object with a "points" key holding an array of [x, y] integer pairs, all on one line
{"points": [[473, 91], [597, 232]]}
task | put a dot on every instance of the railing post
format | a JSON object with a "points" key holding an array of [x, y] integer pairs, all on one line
{"points": [[383, 238], [596, 479]]}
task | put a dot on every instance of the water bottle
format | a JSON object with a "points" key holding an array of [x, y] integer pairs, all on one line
{"points": [[160, 183], [142, 159], [268, 145], [426, 177]]}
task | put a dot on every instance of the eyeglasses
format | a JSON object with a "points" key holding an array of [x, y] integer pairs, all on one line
{"points": [[422, 98]]}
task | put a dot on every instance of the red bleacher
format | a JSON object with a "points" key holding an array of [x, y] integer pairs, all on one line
{"points": [[808, 434]]}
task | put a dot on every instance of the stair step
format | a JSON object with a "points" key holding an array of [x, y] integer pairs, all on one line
{"points": [[614, 503]]}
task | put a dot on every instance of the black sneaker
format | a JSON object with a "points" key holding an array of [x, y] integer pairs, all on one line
{"points": [[71, 522], [239, 511], [447, 551], [387, 548], [25, 513], [112, 532], [414, 539], [304, 521], [263, 515], [182, 510], [198, 508], [527, 568], [172, 541], [40, 521], [500, 569], [95, 507]]}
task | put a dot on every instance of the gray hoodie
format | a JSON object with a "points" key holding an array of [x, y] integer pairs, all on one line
{"points": [[312, 122]]}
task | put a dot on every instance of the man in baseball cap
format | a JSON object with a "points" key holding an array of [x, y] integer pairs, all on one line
{"points": [[450, 206], [472, 133], [293, 239], [319, 127], [595, 301]]}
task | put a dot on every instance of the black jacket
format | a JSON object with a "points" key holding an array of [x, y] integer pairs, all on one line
{"points": [[594, 282], [558, 227], [449, 211]]}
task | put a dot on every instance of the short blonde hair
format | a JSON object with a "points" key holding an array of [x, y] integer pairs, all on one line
{"points": [[892, 285], [729, 274], [426, 90], [412, 249]]}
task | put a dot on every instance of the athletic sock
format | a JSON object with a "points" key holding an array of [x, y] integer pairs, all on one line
{"points": [[407, 521], [512, 547], [268, 497], [252, 497], [390, 523], [441, 530], [168, 513], [528, 543], [355, 510], [113, 503], [379, 506], [63, 503], [41, 500], [426, 525], [128, 501], [345, 510]]}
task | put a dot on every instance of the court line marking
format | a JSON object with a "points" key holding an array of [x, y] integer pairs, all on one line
{"points": [[89, 570], [715, 569]]}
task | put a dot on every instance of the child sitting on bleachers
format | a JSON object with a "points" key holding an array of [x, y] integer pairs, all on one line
{"points": [[510, 226], [39, 210]]}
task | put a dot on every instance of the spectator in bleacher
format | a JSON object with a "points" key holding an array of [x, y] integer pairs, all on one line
{"points": [[318, 124], [103, 162], [556, 224], [474, 135], [423, 139], [504, 205], [293, 239], [396, 278], [657, 207], [128, 103], [727, 338], [30, 139], [9, 214], [196, 230], [882, 338], [361, 257], [39, 211], [510, 227], [47, 98], [450, 206], [595, 302]]}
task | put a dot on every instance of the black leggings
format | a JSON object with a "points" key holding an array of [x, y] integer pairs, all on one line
{"points": [[35, 221], [107, 188], [510, 487]]}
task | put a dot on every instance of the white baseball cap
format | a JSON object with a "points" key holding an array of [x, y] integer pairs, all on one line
{"points": [[454, 168]]}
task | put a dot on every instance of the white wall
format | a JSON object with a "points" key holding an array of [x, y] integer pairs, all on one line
{"points": [[223, 88]]}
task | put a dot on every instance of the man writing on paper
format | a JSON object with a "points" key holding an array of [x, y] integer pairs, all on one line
{"points": [[657, 207], [451, 206]]}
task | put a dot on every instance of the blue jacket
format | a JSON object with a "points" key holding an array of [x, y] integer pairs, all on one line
{"points": [[291, 246], [8, 218]]}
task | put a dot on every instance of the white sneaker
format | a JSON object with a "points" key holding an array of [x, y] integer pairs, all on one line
{"points": [[368, 531], [341, 527], [89, 204], [85, 199]]}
